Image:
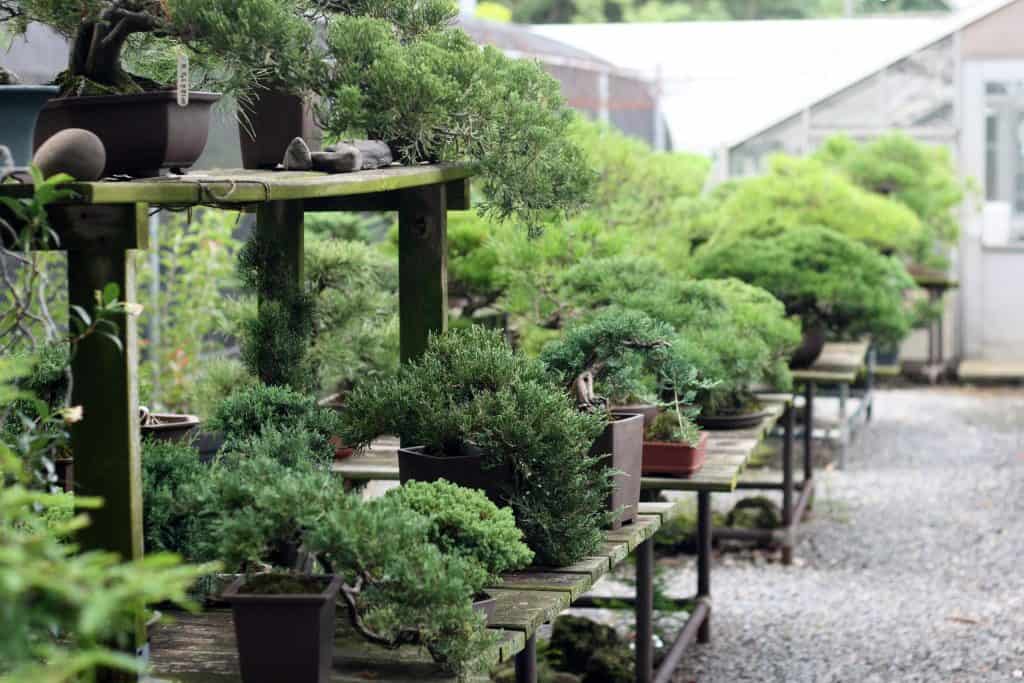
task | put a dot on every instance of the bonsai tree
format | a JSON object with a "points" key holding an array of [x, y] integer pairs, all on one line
{"points": [[922, 177], [796, 192], [227, 39], [609, 352], [470, 393], [826, 279]]}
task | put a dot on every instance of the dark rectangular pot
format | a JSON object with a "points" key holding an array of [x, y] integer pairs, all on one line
{"points": [[142, 134], [466, 470], [288, 637], [675, 459], [648, 410], [274, 120], [19, 108], [623, 440]]}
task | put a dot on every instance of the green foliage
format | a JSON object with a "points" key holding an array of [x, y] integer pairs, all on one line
{"points": [[614, 347], [432, 94], [464, 522], [470, 390], [673, 426], [795, 192], [589, 649], [400, 587], [196, 267], [217, 379], [170, 523], [821, 276], [62, 608], [284, 416], [920, 176]]}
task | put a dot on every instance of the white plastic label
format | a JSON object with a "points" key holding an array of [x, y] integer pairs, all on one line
{"points": [[183, 81]]}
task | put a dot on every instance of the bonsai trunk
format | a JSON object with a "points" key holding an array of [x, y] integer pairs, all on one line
{"points": [[96, 50]]}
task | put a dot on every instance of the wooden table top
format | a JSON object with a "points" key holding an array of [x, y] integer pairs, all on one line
{"points": [[839, 362]]}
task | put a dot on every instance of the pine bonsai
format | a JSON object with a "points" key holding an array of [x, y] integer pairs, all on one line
{"points": [[471, 393], [821, 276]]}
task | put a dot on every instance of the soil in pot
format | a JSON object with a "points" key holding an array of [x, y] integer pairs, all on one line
{"points": [[810, 348], [465, 470], [142, 134], [284, 636], [674, 459], [271, 123], [623, 440], [19, 108]]}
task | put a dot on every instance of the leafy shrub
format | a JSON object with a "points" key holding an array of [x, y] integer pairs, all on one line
{"points": [[674, 427], [471, 390], [170, 523], [795, 192], [216, 381], [464, 522], [825, 278], [286, 415]]}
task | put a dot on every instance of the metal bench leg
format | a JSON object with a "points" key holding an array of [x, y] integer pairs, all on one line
{"points": [[704, 560], [787, 485], [645, 612], [844, 427], [526, 662]]}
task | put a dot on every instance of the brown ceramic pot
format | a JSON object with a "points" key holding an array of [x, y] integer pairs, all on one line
{"points": [[273, 121], [284, 637], [142, 134], [623, 440], [648, 410], [464, 470], [675, 459]]}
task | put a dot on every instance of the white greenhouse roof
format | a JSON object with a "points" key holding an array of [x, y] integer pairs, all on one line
{"points": [[725, 81]]}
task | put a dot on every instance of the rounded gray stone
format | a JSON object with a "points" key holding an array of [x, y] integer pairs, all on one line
{"points": [[75, 151]]}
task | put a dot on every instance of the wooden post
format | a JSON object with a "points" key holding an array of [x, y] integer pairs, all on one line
{"points": [[422, 267], [105, 444]]}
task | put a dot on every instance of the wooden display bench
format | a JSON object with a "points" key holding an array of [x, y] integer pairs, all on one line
{"points": [[839, 365], [102, 226]]}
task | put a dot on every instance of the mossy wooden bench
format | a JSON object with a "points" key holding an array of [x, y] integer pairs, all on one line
{"points": [[839, 365], [102, 225], [532, 597]]}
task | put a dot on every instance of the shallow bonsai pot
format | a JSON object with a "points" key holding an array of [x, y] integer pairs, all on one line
{"points": [[19, 108], [676, 459], [485, 604], [274, 120], [648, 410], [464, 470], [725, 422], [623, 441], [284, 637], [142, 133], [810, 348], [169, 426]]}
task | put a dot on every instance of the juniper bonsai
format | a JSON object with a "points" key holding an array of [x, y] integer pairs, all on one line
{"points": [[470, 392]]}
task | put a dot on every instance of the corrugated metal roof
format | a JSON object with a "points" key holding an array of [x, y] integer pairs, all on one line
{"points": [[727, 81]]}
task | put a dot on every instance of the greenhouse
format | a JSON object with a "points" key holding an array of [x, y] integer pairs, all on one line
{"points": [[404, 340]]}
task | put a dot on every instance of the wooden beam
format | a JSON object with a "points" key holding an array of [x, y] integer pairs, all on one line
{"points": [[458, 195], [383, 201], [422, 268]]}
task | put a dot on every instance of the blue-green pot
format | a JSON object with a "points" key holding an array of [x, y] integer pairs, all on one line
{"points": [[19, 107]]}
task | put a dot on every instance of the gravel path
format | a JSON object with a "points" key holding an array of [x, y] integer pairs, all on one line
{"points": [[912, 568]]}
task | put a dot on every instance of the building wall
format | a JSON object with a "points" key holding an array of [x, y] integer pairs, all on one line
{"points": [[997, 36]]}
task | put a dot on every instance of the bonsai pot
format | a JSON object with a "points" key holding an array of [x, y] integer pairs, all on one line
{"points": [[274, 120], [677, 459], [810, 348], [19, 108], [142, 133], [284, 637], [464, 470], [485, 604], [887, 354], [167, 426], [648, 410], [724, 422], [623, 442]]}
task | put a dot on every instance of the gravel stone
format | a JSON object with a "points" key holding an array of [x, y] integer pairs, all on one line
{"points": [[911, 567]]}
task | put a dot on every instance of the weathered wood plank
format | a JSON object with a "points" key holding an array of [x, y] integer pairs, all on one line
{"points": [[574, 584], [595, 567], [616, 551], [526, 610], [636, 533], [422, 268]]}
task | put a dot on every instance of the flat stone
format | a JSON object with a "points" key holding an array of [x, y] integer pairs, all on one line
{"points": [[77, 152], [344, 159], [376, 153], [297, 157]]}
